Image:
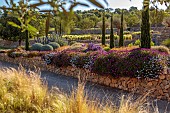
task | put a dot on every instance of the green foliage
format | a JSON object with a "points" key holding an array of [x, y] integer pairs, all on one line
{"points": [[86, 23], [136, 33], [138, 43], [36, 47], [23, 12], [77, 37], [107, 48], [9, 32], [132, 19], [127, 37], [130, 45], [46, 48], [54, 45], [166, 42]]}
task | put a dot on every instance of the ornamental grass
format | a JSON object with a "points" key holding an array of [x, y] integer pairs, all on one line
{"points": [[23, 91]]}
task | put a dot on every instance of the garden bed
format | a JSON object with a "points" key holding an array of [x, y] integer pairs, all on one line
{"points": [[158, 88]]}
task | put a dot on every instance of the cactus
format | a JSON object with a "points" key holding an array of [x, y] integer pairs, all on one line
{"points": [[111, 34], [121, 31], [145, 26], [103, 30]]}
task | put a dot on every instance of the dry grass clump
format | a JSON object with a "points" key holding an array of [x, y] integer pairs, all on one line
{"points": [[25, 92], [62, 48], [125, 48]]}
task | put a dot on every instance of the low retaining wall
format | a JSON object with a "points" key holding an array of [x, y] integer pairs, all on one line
{"points": [[158, 88]]}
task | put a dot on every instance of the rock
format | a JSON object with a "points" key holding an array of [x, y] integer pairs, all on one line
{"points": [[149, 84], [101, 79], [162, 77], [160, 92], [167, 86], [159, 97], [112, 85], [165, 91], [114, 81], [154, 83], [116, 85], [134, 80], [165, 82], [131, 85], [168, 77], [107, 81], [124, 84]]}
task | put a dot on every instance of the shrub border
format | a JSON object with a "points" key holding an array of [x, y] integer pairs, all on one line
{"points": [[157, 88]]}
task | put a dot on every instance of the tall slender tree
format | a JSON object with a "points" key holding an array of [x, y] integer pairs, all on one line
{"points": [[121, 40], [111, 33], [145, 26], [103, 29]]}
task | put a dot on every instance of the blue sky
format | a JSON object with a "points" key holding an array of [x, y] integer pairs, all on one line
{"points": [[112, 4]]}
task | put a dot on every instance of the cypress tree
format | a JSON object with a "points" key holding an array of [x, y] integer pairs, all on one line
{"points": [[145, 26], [111, 33], [103, 29], [121, 31]]}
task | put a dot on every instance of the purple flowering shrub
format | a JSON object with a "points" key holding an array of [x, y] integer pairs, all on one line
{"points": [[146, 63], [62, 59], [93, 47], [139, 63]]}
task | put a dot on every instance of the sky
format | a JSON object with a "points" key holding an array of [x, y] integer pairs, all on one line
{"points": [[112, 4]]}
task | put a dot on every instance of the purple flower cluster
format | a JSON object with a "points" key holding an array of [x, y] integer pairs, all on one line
{"points": [[94, 47]]}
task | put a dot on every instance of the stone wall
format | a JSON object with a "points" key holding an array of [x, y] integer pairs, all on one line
{"points": [[157, 88]]}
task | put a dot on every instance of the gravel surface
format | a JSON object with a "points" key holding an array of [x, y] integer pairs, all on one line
{"points": [[101, 93]]}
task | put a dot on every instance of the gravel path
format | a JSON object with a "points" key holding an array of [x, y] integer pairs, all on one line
{"points": [[101, 93]]}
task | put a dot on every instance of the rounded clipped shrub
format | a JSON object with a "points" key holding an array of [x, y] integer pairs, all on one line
{"points": [[54, 45], [137, 42], [130, 45], [166, 42], [107, 48], [36, 47], [161, 49], [78, 47], [46, 48]]}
